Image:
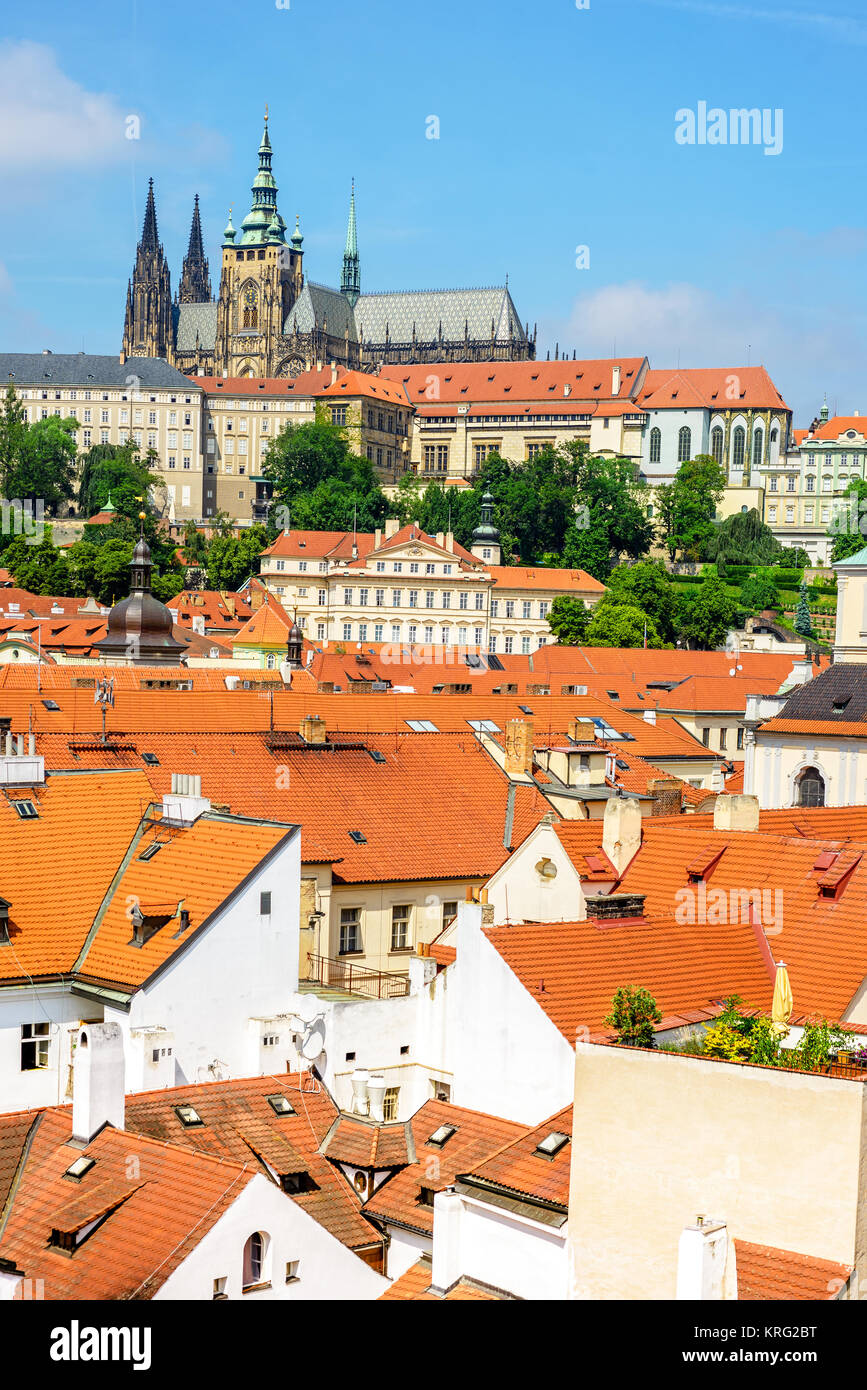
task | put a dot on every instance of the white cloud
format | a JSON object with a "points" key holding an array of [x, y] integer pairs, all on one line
{"points": [[806, 354], [50, 120]]}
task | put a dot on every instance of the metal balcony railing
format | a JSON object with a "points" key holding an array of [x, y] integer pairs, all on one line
{"points": [[335, 973]]}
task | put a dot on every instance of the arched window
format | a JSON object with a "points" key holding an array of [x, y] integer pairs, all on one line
{"points": [[655, 445], [684, 444], [716, 443], [739, 439], [757, 448], [255, 1259], [270, 661], [810, 788]]}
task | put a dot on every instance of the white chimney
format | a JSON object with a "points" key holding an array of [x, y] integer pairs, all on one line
{"points": [[333, 372], [97, 1080], [736, 812], [360, 1099], [199, 623], [376, 1091], [185, 803], [621, 830], [701, 1260], [392, 526], [615, 379], [446, 1255]]}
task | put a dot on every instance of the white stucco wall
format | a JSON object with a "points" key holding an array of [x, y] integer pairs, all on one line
{"points": [[477, 1240], [327, 1270], [21, 1090]]}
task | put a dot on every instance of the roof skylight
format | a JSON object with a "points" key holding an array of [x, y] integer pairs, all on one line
{"points": [[442, 1135], [552, 1144]]}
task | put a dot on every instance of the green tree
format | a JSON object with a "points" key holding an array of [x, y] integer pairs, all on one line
{"points": [[620, 625], [568, 619], [43, 470], [13, 427], [704, 615], [688, 504], [647, 586], [117, 471], [610, 513], [848, 517], [632, 1016], [759, 592], [803, 622], [744, 539], [232, 559], [111, 570]]}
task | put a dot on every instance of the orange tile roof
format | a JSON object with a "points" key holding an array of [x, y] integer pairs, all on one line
{"points": [[366, 1144], [476, 1137], [154, 1222], [707, 387], [561, 382], [351, 383], [307, 384], [843, 728], [268, 627], [835, 427], [239, 1124], [220, 609], [572, 969], [414, 1285], [538, 577], [520, 1168], [764, 1272]]}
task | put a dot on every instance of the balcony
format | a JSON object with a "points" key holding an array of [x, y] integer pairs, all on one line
{"points": [[333, 973]]}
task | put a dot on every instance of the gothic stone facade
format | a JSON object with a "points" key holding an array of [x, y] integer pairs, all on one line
{"points": [[269, 321]]}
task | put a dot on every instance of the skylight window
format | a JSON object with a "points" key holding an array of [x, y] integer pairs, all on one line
{"points": [[81, 1166], [422, 726], [358, 836], [280, 1105], [484, 726], [376, 755], [26, 810], [551, 1145], [525, 709], [442, 1135], [188, 1115], [151, 759], [151, 850], [51, 704]]}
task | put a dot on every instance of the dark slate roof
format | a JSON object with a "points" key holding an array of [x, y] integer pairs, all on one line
{"points": [[88, 370], [842, 684], [317, 306], [190, 319], [457, 310]]}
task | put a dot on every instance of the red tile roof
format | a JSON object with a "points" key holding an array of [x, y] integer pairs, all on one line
{"points": [[711, 388], [367, 1144], [764, 1272], [520, 1168], [575, 582], [414, 1286], [559, 383]]}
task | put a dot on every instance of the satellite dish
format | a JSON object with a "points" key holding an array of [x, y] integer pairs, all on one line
{"points": [[314, 1044]]}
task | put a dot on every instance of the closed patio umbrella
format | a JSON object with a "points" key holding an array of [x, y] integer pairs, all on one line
{"points": [[781, 1009]]}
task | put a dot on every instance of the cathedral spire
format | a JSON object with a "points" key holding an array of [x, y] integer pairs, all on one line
{"points": [[195, 286], [263, 222], [350, 280], [150, 240]]}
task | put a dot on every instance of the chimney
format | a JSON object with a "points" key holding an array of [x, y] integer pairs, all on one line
{"points": [[615, 379], [392, 526], [735, 812], [376, 1092], [333, 372], [377, 538], [519, 747], [312, 729], [446, 1256], [649, 716], [441, 538], [701, 1260], [450, 541], [621, 830], [613, 907], [97, 1080], [667, 793], [360, 1098]]}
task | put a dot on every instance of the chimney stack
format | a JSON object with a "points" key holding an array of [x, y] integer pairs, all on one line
{"points": [[649, 716], [312, 729], [615, 379], [519, 747], [376, 1092], [701, 1260], [621, 830], [392, 526], [97, 1080], [667, 793], [735, 812], [614, 907]]}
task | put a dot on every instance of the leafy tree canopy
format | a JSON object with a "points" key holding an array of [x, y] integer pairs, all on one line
{"points": [[620, 625], [568, 619]]}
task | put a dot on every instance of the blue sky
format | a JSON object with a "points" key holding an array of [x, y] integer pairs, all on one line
{"points": [[557, 130]]}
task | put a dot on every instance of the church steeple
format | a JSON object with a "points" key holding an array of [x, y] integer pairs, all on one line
{"points": [[350, 279], [263, 223], [147, 330], [195, 286]]}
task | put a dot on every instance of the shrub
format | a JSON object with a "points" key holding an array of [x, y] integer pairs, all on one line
{"points": [[633, 1014]]}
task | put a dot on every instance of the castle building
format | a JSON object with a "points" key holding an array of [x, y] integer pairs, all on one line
{"points": [[269, 320]]}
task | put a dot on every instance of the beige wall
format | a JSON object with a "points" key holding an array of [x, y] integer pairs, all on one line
{"points": [[425, 899], [659, 1139]]}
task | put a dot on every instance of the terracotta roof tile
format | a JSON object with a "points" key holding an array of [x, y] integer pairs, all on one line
{"points": [[764, 1272], [414, 1285], [521, 1168]]}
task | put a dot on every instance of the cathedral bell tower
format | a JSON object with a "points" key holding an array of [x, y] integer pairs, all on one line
{"points": [[195, 286], [261, 279], [147, 329]]}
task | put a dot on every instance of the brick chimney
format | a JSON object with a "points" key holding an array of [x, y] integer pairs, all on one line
{"points": [[736, 812], [612, 907], [312, 729], [519, 747], [667, 793], [621, 830]]}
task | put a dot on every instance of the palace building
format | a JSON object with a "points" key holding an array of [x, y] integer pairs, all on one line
{"points": [[269, 320]]}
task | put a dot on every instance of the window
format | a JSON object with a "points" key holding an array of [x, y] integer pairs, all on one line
{"points": [[508, 644], [265, 904], [188, 1116], [347, 632], [292, 1268], [395, 632], [413, 598], [723, 734], [738, 445], [716, 444], [810, 788], [380, 598], [400, 927], [428, 598], [362, 632], [255, 1254], [220, 1288], [350, 930], [347, 597], [442, 1135], [740, 738], [389, 1104], [447, 600], [757, 448], [396, 595], [790, 482], [480, 602], [684, 444], [484, 726], [495, 607], [655, 445], [35, 1044], [26, 809], [705, 737], [551, 1145], [378, 630], [773, 484], [450, 912]]}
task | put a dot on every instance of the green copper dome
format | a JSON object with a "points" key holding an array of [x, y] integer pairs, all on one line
{"points": [[297, 238], [229, 233], [263, 223]]}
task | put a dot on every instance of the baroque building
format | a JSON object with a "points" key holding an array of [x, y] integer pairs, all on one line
{"points": [[269, 320]]}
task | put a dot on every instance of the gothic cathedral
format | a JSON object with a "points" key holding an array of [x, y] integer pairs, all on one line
{"points": [[270, 321]]}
